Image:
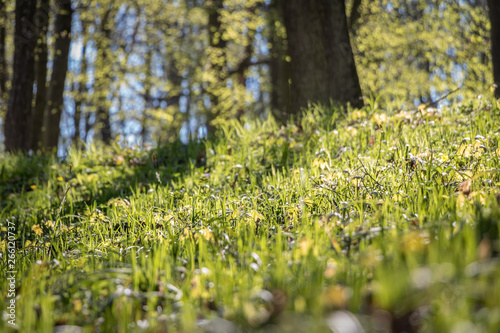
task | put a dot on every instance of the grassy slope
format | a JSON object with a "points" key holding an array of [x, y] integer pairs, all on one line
{"points": [[285, 229]]}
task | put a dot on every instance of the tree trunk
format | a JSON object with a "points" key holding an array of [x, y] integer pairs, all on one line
{"points": [[494, 12], [103, 83], [243, 67], [279, 67], [79, 105], [62, 31], [104, 123], [3, 60], [218, 66], [175, 79], [18, 117], [41, 58], [147, 96], [323, 68], [87, 127]]}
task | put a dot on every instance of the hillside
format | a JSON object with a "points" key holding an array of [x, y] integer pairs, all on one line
{"points": [[381, 219]]}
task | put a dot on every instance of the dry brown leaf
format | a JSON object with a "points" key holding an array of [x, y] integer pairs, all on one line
{"points": [[465, 186]]}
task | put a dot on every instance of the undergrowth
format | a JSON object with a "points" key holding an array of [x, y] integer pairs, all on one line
{"points": [[385, 220]]}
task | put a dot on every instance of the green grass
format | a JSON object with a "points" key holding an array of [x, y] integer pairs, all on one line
{"points": [[382, 219]]}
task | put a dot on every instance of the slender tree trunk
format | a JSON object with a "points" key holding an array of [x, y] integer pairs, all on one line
{"points": [[121, 114], [323, 68], [104, 82], [87, 127], [41, 58], [18, 117], [104, 124], [243, 67], [175, 80], [62, 31], [3, 60], [218, 60], [147, 96], [79, 105], [494, 13]]}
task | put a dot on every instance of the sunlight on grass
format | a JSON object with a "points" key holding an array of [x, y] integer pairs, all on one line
{"points": [[377, 219]]}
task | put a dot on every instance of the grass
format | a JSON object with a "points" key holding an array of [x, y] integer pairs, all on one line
{"points": [[385, 220]]}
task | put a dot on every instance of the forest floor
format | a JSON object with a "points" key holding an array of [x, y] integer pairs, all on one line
{"points": [[373, 221]]}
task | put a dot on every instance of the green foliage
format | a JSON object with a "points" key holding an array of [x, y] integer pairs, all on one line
{"points": [[156, 67], [389, 217], [155, 63], [412, 49]]}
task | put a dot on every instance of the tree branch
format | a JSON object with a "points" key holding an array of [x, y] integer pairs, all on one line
{"points": [[245, 64]]}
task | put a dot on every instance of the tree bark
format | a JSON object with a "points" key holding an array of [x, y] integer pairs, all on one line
{"points": [[103, 83], [494, 13], [323, 68], [218, 46], [147, 96], [62, 31], [41, 58], [279, 67], [18, 117], [79, 93], [3, 60], [242, 68]]}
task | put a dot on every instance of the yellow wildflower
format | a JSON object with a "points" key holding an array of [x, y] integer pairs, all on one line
{"points": [[37, 230]]}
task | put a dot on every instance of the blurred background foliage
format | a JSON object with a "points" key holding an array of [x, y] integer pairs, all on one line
{"points": [[419, 50], [152, 71]]}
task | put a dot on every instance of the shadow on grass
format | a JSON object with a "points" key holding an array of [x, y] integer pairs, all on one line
{"points": [[32, 187]]}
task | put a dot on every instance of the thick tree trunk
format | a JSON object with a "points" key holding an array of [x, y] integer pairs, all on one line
{"points": [[323, 67], [62, 31], [280, 94], [18, 117], [494, 12], [279, 67], [41, 58]]}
